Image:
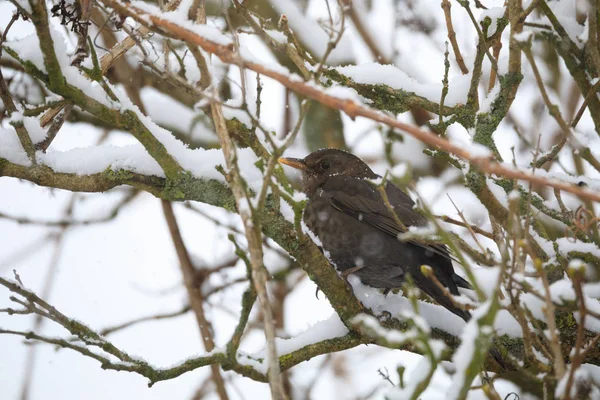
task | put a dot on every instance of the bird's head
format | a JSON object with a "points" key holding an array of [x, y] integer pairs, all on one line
{"points": [[322, 164]]}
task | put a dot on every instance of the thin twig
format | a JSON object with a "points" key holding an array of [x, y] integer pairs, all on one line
{"points": [[586, 101], [480, 33], [111, 215], [559, 362], [59, 120], [124, 325], [364, 33], [452, 37], [554, 112], [473, 228], [194, 293]]}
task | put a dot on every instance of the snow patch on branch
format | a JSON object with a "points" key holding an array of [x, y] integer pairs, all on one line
{"points": [[93, 160], [180, 18], [466, 353], [199, 162], [379, 74], [330, 328], [311, 34], [11, 149]]}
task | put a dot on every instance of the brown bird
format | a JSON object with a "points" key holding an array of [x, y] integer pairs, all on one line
{"points": [[350, 217]]}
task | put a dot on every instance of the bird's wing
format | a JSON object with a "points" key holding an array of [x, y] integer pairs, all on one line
{"points": [[360, 199]]}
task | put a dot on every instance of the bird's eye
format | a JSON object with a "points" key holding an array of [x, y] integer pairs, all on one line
{"points": [[325, 165]]}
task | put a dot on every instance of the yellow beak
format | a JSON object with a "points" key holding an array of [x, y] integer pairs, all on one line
{"points": [[293, 162]]}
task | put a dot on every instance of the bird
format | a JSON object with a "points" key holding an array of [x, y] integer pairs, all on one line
{"points": [[359, 228]]}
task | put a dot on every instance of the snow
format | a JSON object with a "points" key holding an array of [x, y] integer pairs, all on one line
{"points": [[199, 162], [391, 336], [459, 136], [323, 330], [286, 211], [486, 278], [580, 376], [90, 160], [28, 49], [498, 192], [179, 17], [11, 149], [24, 4], [594, 374], [344, 93], [171, 114], [313, 237], [566, 13], [463, 357], [400, 170], [493, 13], [523, 36], [436, 316], [275, 261], [592, 289], [562, 291], [374, 74], [488, 100], [32, 125], [231, 113], [72, 75], [249, 360], [249, 56], [311, 34], [418, 375], [592, 323], [93, 160], [567, 245], [276, 35]]}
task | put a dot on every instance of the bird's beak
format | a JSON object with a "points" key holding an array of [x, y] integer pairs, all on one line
{"points": [[297, 163]]}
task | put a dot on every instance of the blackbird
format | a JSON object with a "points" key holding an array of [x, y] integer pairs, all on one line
{"points": [[348, 214]]}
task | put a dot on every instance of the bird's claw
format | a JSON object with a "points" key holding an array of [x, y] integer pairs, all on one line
{"points": [[350, 271]]}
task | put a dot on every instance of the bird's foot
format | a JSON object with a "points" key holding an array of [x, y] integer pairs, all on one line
{"points": [[347, 272]]}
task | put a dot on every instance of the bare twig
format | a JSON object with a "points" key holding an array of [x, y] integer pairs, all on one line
{"points": [[554, 111], [473, 228], [81, 50], [452, 37], [576, 354], [59, 120], [559, 362], [112, 214], [194, 293], [124, 325], [586, 101]]}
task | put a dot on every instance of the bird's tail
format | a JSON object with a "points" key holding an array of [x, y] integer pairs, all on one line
{"points": [[461, 282]]}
